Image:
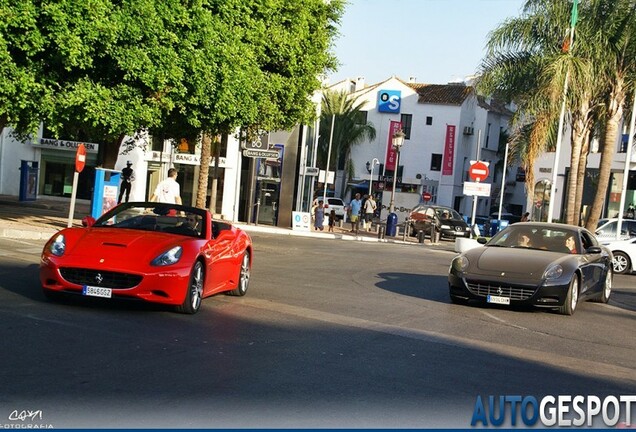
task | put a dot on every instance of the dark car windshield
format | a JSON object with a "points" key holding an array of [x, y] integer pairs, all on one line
{"points": [[552, 239]]}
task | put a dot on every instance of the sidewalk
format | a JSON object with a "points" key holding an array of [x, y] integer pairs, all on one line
{"points": [[40, 219]]}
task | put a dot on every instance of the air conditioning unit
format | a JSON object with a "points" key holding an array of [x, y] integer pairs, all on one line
{"points": [[468, 130]]}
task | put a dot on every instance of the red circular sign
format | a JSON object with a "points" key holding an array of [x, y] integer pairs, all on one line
{"points": [[80, 158], [478, 171], [426, 196]]}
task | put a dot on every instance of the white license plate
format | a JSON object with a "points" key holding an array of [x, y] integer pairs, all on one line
{"points": [[498, 300], [97, 291]]}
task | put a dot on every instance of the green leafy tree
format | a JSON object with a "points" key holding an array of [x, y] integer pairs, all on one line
{"points": [[103, 69]]}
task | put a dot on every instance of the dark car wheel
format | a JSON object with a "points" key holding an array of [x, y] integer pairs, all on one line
{"points": [[192, 301], [621, 263], [572, 298], [244, 277], [606, 288]]}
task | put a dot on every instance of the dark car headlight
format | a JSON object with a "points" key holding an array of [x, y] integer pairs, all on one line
{"points": [[169, 257], [553, 272], [58, 245], [460, 264]]}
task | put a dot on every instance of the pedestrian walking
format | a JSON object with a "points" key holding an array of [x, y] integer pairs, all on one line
{"points": [[319, 216], [355, 206], [168, 190], [332, 220], [369, 211]]}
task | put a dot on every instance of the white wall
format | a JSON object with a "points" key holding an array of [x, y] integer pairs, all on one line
{"points": [[12, 152]]}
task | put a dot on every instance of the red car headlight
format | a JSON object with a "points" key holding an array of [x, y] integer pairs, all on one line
{"points": [[58, 245], [169, 257]]}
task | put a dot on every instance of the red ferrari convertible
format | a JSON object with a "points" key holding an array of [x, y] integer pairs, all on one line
{"points": [[155, 252]]}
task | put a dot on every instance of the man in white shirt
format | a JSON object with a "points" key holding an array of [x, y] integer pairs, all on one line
{"points": [[168, 190]]}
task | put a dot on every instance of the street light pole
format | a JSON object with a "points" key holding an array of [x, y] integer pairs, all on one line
{"points": [[397, 140], [374, 162]]}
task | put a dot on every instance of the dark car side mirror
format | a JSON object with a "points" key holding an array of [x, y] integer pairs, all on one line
{"points": [[594, 250], [482, 240]]}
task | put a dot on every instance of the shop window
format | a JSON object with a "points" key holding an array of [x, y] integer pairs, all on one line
{"points": [[429, 120]]}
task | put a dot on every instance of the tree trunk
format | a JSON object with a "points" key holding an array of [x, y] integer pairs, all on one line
{"points": [[204, 169], [215, 171], [580, 131], [109, 153], [580, 178], [615, 114]]}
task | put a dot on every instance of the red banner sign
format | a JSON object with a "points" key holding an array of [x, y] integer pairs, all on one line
{"points": [[391, 154], [449, 150]]}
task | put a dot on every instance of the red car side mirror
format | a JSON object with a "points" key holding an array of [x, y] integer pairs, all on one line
{"points": [[88, 221]]}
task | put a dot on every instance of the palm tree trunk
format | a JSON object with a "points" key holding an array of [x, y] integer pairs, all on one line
{"points": [[580, 178], [615, 114]]}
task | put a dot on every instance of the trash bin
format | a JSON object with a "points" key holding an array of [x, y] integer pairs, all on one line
{"points": [[494, 226], [497, 225], [28, 180], [391, 224]]}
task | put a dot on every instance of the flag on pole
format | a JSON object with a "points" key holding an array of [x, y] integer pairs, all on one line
{"points": [[569, 39], [575, 13]]}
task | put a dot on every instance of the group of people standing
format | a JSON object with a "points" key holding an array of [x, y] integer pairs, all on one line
{"points": [[357, 209]]}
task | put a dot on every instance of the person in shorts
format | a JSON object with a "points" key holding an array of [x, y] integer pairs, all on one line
{"points": [[355, 206]]}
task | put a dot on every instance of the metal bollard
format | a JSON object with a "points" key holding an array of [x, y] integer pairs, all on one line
{"points": [[381, 231], [420, 236], [434, 235]]}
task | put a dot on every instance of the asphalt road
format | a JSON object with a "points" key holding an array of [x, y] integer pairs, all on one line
{"points": [[331, 334]]}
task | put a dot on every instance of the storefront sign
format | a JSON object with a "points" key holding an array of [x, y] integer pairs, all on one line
{"points": [[181, 158], [66, 145]]}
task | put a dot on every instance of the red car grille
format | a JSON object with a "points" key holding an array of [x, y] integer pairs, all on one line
{"points": [[484, 289], [106, 279]]}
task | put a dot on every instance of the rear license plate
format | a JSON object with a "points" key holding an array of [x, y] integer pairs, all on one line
{"points": [[498, 300], [97, 291]]}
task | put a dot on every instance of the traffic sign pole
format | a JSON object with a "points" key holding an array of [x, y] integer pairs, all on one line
{"points": [[478, 171], [80, 162]]}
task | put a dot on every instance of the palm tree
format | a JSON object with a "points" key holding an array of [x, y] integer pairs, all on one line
{"points": [[612, 46], [527, 64], [345, 112]]}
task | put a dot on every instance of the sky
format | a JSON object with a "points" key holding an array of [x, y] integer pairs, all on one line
{"points": [[435, 41]]}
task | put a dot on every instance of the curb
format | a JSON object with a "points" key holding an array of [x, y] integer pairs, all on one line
{"points": [[27, 234]]}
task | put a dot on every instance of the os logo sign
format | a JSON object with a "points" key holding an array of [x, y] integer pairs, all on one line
{"points": [[389, 101]]}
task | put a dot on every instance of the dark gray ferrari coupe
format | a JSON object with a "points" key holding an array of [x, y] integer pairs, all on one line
{"points": [[548, 265]]}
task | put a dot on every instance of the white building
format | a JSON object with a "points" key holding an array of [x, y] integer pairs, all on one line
{"points": [[447, 127]]}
